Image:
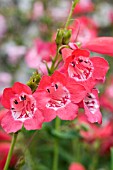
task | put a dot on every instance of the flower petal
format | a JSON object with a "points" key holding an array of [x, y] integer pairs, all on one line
{"points": [[77, 91], [9, 124], [35, 122], [7, 95], [66, 52], [19, 88], [44, 82], [69, 112], [102, 45], [101, 67]]}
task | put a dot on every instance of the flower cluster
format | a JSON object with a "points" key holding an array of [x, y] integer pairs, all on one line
{"points": [[61, 94]]}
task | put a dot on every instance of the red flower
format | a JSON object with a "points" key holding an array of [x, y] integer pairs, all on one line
{"points": [[76, 166], [91, 106], [22, 108], [58, 96], [83, 69], [102, 45]]}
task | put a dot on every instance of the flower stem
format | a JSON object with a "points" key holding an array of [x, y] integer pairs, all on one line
{"points": [[112, 158], [10, 151], [56, 146], [71, 12]]}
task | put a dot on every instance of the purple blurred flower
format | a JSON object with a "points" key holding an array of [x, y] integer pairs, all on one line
{"points": [[3, 26], [14, 52]]}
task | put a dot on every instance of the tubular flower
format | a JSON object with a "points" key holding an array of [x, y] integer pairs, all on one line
{"points": [[22, 109], [58, 96], [100, 45], [83, 69]]}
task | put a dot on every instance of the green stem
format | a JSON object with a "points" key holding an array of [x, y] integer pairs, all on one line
{"points": [[71, 12], [11, 151], [76, 149], [112, 158], [56, 146], [54, 62]]}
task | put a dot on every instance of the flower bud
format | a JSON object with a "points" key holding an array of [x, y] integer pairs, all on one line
{"points": [[66, 36], [59, 37]]}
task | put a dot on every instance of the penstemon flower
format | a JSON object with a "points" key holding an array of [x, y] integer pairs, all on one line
{"points": [[22, 109], [63, 86], [84, 69], [58, 96]]}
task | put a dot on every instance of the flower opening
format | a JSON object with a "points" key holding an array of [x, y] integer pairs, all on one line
{"points": [[81, 68], [23, 107], [59, 96], [91, 103]]}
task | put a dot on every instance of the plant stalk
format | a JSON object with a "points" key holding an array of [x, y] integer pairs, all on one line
{"points": [[10, 151], [56, 145], [74, 3]]}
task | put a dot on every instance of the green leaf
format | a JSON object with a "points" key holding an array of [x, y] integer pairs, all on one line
{"points": [[65, 135]]}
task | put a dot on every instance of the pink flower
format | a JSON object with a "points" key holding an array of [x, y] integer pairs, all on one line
{"points": [[83, 69], [38, 10], [22, 109], [76, 166], [91, 106], [58, 96]]}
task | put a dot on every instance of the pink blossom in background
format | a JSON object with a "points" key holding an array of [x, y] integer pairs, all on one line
{"points": [[88, 135], [5, 79], [103, 9], [102, 133], [83, 30], [3, 26], [106, 99], [41, 52], [76, 166], [60, 11], [84, 6], [14, 52], [5, 140], [4, 149], [37, 11]]}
